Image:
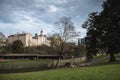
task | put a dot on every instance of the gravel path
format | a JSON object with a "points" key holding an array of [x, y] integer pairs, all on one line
{"points": [[94, 61]]}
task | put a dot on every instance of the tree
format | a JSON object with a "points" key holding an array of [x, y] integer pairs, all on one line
{"points": [[105, 29], [65, 31], [92, 35], [62, 48], [111, 27], [6, 49], [17, 46]]}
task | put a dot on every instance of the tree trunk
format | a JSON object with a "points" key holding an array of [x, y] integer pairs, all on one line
{"points": [[89, 57], [112, 57], [57, 62]]}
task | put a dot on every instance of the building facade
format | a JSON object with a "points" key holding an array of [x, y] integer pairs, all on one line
{"points": [[2, 37], [81, 41], [29, 40]]}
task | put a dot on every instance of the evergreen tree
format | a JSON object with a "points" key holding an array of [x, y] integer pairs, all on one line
{"points": [[103, 29], [111, 26]]}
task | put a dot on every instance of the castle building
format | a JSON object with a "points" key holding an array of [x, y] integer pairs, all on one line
{"points": [[29, 40], [2, 37]]}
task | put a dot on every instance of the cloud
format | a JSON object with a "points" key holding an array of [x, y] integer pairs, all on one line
{"points": [[26, 26], [25, 22], [34, 15], [52, 8]]}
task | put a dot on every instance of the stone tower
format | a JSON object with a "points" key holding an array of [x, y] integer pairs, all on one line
{"points": [[41, 32]]}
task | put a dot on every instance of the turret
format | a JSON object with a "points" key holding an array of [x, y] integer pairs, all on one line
{"points": [[41, 32]]}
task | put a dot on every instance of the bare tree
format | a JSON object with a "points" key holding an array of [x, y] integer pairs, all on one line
{"points": [[65, 31]]}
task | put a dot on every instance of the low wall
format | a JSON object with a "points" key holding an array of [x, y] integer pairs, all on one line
{"points": [[62, 62], [24, 64], [34, 64]]}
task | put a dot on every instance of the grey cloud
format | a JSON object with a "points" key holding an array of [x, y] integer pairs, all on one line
{"points": [[12, 11], [71, 8]]}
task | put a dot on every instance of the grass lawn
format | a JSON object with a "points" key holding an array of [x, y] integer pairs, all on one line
{"points": [[101, 72]]}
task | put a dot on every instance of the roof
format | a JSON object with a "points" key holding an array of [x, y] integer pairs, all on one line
{"points": [[17, 35], [22, 54], [19, 54]]}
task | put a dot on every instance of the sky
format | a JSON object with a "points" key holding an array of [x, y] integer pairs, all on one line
{"points": [[33, 15]]}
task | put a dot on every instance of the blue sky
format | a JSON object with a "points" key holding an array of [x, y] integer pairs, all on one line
{"points": [[33, 15]]}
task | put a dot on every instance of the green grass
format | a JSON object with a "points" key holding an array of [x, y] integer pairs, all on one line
{"points": [[101, 72]]}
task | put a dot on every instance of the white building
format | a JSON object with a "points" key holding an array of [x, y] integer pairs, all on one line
{"points": [[28, 40], [2, 37]]}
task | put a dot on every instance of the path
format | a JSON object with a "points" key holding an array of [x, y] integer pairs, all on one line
{"points": [[94, 61]]}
